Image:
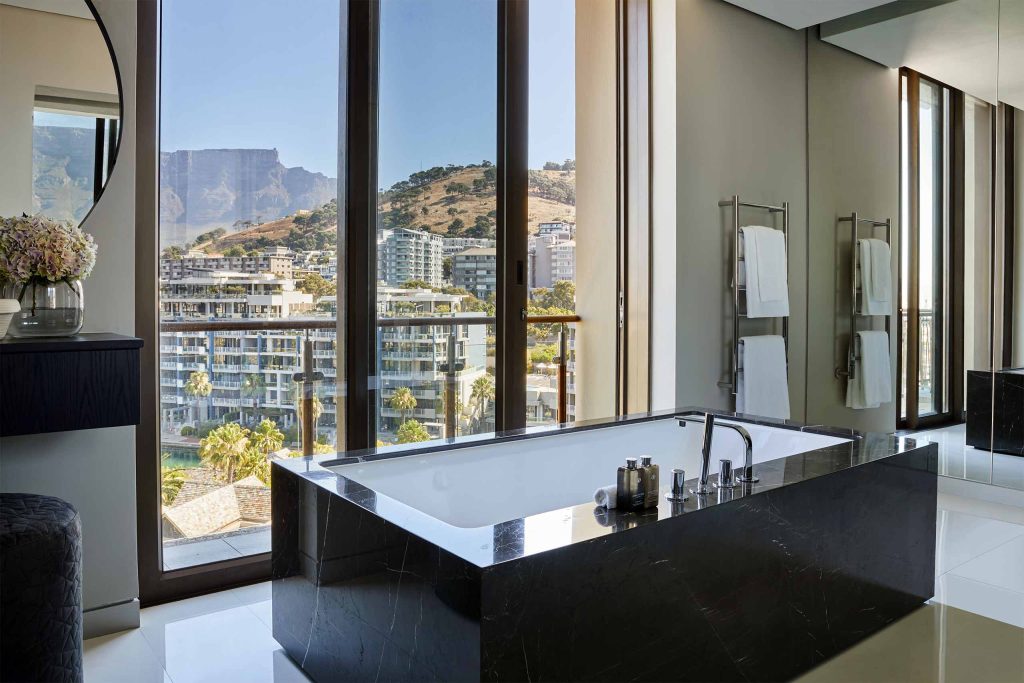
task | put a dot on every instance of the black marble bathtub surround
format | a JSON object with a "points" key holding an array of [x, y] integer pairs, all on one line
{"points": [[762, 584]]}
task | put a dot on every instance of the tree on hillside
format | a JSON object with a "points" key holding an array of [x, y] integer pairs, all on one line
{"points": [[456, 189], [315, 284], [415, 284], [456, 227], [403, 401], [562, 296], [482, 228], [446, 268], [412, 431], [552, 166], [235, 251], [172, 252]]}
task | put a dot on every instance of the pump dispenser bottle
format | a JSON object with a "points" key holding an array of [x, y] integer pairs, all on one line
{"points": [[649, 481], [628, 495]]}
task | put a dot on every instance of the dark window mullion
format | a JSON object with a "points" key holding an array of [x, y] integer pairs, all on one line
{"points": [[512, 213]]}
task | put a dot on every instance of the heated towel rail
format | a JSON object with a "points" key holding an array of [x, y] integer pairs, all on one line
{"points": [[855, 221], [736, 203]]}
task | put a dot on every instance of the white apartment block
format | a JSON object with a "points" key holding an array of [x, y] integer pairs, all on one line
{"points": [[404, 255], [554, 260], [556, 227], [454, 245], [276, 260], [476, 271]]}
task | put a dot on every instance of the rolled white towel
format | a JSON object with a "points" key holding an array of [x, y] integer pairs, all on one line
{"points": [[605, 496]]}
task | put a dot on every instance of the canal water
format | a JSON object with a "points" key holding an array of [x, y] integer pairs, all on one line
{"points": [[180, 457]]}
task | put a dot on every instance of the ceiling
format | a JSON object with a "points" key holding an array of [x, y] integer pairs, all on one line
{"points": [[71, 8], [804, 13], [953, 42]]}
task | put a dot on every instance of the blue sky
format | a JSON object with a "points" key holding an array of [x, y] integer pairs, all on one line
{"points": [[263, 73]]}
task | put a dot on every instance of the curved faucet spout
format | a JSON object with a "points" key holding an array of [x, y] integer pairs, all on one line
{"points": [[747, 475]]}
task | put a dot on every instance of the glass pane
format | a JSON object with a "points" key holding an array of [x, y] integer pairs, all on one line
{"points": [[551, 268], [436, 244], [248, 224], [931, 277], [63, 165], [904, 241]]}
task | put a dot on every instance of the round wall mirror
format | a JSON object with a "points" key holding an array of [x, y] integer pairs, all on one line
{"points": [[60, 101]]}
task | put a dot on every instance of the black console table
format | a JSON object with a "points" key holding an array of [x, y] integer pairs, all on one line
{"points": [[1006, 421], [56, 384]]}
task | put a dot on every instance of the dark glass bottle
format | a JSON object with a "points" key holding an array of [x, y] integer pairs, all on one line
{"points": [[628, 496], [649, 481]]}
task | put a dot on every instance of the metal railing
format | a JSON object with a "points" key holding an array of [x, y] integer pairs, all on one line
{"points": [[450, 366]]}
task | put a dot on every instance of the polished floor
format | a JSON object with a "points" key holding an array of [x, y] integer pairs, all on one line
{"points": [[957, 459], [973, 631]]}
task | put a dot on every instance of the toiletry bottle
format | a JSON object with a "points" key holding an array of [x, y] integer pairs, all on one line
{"points": [[627, 489], [649, 481]]}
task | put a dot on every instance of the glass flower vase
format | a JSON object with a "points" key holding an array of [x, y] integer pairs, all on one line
{"points": [[48, 309]]}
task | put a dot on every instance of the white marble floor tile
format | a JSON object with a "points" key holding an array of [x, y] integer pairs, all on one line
{"points": [[1002, 567], [124, 657], [961, 537], [263, 611], [981, 598], [231, 644]]}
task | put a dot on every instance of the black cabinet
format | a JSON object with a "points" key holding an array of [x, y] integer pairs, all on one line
{"points": [[995, 414], [57, 384]]}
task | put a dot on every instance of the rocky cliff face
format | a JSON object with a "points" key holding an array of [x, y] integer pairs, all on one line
{"points": [[211, 188]]}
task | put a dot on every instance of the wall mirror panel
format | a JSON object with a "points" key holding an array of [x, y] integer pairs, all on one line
{"points": [[60, 106], [893, 203]]}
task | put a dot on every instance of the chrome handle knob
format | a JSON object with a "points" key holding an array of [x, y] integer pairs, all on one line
{"points": [[678, 492], [725, 478]]}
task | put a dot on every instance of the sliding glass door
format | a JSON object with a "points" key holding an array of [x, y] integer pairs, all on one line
{"points": [[365, 237]]}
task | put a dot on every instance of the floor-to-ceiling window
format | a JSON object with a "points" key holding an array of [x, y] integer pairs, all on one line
{"points": [[351, 200], [247, 233], [945, 236]]}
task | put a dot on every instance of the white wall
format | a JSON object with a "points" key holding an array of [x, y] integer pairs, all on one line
{"points": [[595, 208], [1018, 243], [853, 165], [663, 205], [740, 100], [40, 48], [95, 470]]}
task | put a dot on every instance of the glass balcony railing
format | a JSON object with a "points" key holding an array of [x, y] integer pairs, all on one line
{"points": [[266, 389]]}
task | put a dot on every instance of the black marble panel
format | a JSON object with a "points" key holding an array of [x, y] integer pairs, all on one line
{"points": [[761, 583], [995, 417]]}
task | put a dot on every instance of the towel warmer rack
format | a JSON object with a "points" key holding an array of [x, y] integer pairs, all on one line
{"points": [[736, 205], [855, 221]]}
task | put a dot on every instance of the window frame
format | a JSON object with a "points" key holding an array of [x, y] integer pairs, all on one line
{"points": [[356, 249]]}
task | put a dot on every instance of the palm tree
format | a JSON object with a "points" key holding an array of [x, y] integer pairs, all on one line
{"points": [[198, 386], [403, 401], [255, 388], [171, 481], [483, 388], [226, 448], [266, 438]]}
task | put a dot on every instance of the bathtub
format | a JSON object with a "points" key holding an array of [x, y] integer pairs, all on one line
{"points": [[485, 485], [486, 558]]}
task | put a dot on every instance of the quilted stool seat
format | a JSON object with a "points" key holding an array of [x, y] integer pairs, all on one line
{"points": [[40, 589]]}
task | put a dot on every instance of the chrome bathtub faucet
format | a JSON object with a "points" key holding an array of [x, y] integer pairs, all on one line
{"points": [[746, 476]]}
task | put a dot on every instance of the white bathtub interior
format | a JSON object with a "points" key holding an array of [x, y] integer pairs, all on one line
{"points": [[493, 483]]}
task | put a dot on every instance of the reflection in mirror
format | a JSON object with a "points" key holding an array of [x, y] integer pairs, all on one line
{"points": [[894, 253], [60, 104]]}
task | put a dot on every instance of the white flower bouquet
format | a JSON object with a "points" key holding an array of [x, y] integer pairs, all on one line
{"points": [[38, 250]]}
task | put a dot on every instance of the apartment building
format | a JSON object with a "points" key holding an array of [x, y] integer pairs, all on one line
{"points": [[404, 255], [554, 260], [276, 260], [476, 271], [454, 245]]}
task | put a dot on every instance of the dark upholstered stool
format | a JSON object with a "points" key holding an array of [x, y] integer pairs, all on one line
{"points": [[40, 589]]}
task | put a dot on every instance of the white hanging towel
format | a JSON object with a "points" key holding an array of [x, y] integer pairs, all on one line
{"points": [[762, 385], [875, 277], [766, 279], [872, 382]]}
